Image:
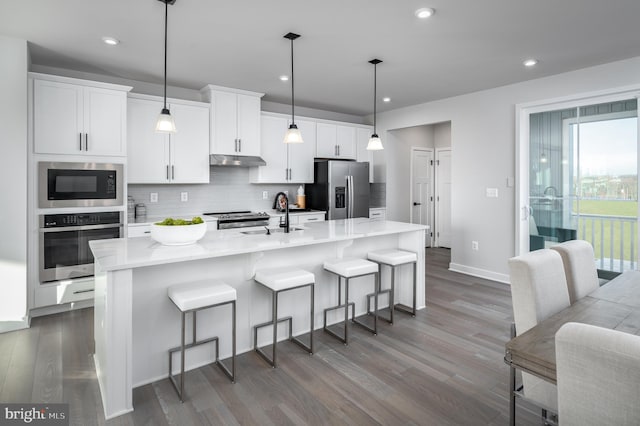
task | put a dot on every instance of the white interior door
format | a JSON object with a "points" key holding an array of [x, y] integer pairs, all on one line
{"points": [[443, 198], [422, 190]]}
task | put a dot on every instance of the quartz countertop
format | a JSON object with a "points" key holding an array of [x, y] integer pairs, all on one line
{"points": [[126, 253]]}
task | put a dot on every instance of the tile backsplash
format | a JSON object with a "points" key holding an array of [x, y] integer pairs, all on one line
{"points": [[228, 190]]}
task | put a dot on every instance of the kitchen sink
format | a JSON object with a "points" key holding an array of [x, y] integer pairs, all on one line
{"points": [[272, 231]]}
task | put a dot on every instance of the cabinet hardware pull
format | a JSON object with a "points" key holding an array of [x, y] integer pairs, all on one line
{"points": [[80, 134], [239, 145], [173, 172], [338, 150], [86, 141], [312, 219], [167, 172], [286, 174], [82, 291]]}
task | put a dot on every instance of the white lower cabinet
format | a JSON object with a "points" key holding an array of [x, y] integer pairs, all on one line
{"points": [[142, 230], [182, 157], [64, 292], [316, 217], [379, 213]]}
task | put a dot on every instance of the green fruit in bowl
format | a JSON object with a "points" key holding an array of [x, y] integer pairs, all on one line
{"points": [[180, 222]]}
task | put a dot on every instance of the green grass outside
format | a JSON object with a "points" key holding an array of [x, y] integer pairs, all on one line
{"points": [[594, 227]]}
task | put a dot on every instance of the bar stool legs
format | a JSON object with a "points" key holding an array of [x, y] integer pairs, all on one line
{"points": [[345, 337], [410, 309], [231, 374], [274, 323]]}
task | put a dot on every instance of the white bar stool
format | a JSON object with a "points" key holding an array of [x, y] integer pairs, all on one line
{"points": [[193, 297], [348, 269], [278, 280], [394, 258]]}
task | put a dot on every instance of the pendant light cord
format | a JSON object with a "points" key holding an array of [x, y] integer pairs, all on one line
{"points": [[375, 96], [166, 17], [292, 89]]}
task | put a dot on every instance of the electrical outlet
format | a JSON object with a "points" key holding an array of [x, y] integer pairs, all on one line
{"points": [[474, 245], [153, 197], [184, 196], [265, 195]]}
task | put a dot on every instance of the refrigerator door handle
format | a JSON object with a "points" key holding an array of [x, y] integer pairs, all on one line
{"points": [[350, 197]]}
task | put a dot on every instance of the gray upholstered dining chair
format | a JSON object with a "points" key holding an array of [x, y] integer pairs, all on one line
{"points": [[579, 267], [538, 290], [598, 376]]}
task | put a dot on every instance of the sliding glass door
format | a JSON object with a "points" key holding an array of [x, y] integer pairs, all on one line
{"points": [[583, 180]]}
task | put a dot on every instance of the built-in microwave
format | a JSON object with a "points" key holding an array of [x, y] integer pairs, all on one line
{"points": [[62, 184]]}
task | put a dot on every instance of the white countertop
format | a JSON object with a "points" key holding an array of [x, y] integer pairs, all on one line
{"points": [[126, 253]]}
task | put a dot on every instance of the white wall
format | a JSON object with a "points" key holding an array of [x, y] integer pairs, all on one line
{"points": [[483, 155], [398, 161], [13, 175], [442, 135]]}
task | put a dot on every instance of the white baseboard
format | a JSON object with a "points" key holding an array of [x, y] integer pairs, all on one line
{"points": [[481, 273], [7, 326], [56, 309]]}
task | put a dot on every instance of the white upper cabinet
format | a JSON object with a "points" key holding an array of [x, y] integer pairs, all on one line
{"points": [[235, 120], [274, 151], [301, 154], [181, 157], [336, 141], [286, 163], [190, 144], [72, 117], [362, 140]]}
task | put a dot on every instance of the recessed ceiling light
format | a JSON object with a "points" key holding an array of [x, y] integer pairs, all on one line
{"points": [[425, 12], [110, 41], [530, 62], [284, 77], [386, 99]]}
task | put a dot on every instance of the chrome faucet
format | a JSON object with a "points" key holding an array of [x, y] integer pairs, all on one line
{"points": [[276, 203], [551, 190]]}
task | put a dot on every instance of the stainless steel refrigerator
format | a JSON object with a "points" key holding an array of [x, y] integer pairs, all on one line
{"points": [[341, 188]]}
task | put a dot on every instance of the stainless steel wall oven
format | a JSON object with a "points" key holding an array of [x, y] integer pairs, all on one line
{"points": [[64, 242], [79, 184]]}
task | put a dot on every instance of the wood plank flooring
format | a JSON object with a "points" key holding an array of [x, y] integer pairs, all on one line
{"points": [[443, 367]]}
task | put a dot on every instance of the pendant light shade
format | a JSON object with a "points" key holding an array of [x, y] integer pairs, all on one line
{"points": [[165, 123], [293, 134], [375, 144]]}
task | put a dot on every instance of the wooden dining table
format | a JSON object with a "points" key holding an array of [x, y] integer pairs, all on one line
{"points": [[615, 305]]}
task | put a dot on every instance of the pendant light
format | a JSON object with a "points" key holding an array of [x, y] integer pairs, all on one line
{"points": [[375, 144], [293, 135], [165, 122]]}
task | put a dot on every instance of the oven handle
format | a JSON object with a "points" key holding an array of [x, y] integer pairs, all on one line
{"points": [[81, 228]]}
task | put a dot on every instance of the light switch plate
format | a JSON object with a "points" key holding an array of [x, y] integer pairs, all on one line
{"points": [[184, 196], [492, 192], [153, 197]]}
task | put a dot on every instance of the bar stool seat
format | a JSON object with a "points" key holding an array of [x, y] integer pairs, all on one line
{"points": [[351, 268], [193, 297], [278, 280], [394, 258], [197, 295]]}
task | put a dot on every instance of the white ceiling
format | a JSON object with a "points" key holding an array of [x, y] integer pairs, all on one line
{"points": [[468, 45]]}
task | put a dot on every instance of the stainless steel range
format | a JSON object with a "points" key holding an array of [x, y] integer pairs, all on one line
{"points": [[245, 219]]}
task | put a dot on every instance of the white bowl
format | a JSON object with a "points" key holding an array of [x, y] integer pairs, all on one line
{"points": [[178, 235]]}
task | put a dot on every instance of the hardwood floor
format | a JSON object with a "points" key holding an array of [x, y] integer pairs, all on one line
{"points": [[443, 367]]}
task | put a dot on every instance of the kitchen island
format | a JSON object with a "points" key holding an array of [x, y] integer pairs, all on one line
{"points": [[135, 322]]}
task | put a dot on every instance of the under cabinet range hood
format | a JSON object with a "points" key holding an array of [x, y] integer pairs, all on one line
{"points": [[236, 160]]}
